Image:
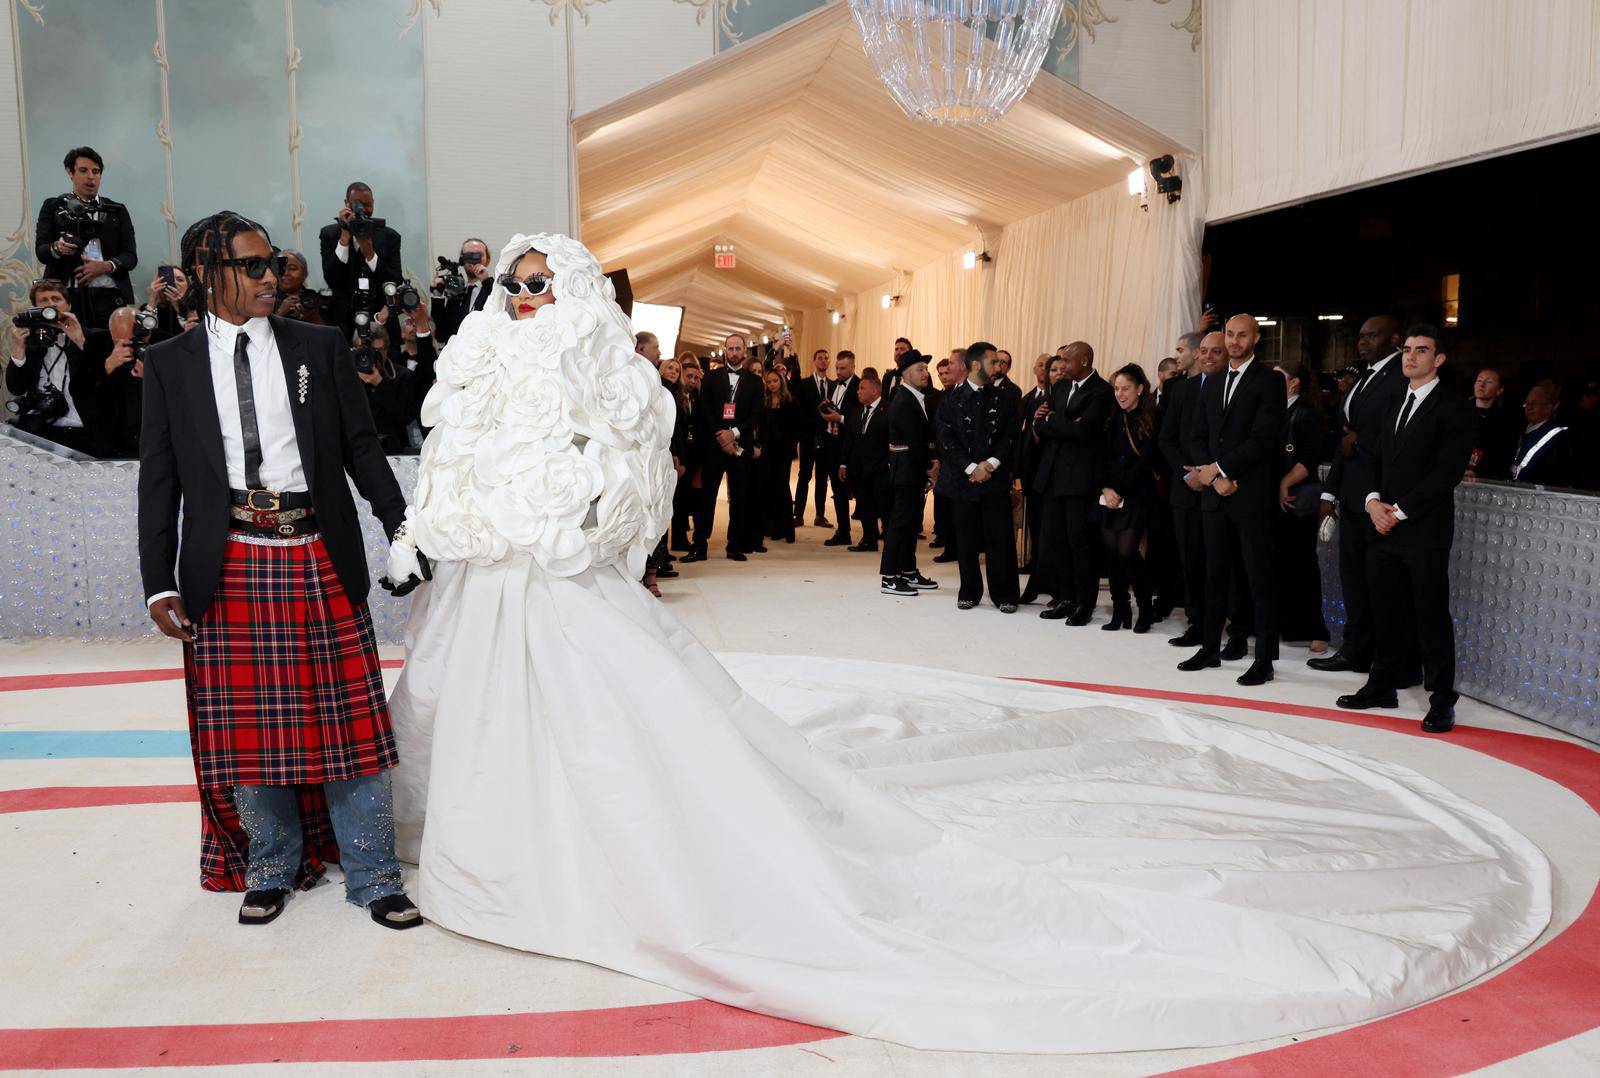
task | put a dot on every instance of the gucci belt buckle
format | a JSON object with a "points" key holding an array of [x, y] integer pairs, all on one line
{"points": [[263, 500]]}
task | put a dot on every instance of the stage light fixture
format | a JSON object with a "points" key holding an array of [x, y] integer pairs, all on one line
{"points": [[837, 318], [1166, 182], [970, 259], [1330, 318]]}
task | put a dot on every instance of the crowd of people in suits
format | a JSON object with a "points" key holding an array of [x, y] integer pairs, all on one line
{"points": [[1207, 492]]}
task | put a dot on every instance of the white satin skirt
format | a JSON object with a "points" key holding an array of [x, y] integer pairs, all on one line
{"points": [[941, 860]]}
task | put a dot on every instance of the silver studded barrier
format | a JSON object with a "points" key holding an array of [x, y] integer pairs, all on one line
{"points": [[1525, 577]]}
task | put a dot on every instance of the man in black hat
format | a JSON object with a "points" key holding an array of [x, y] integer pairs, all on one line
{"points": [[913, 468]]}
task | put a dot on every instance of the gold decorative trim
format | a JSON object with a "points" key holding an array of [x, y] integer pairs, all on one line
{"points": [[169, 205], [726, 8], [1081, 23], [36, 10], [577, 7], [1190, 22], [414, 15], [297, 208], [18, 272], [700, 9]]}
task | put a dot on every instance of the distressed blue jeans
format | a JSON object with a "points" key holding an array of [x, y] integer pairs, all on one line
{"points": [[363, 822]]}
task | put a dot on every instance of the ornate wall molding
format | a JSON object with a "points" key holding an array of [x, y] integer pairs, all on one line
{"points": [[414, 15], [1190, 22], [16, 273], [169, 207], [297, 208], [580, 8]]}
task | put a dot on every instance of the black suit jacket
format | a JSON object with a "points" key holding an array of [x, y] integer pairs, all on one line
{"points": [[1419, 469], [1243, 439], [973, 426], [714, 394], [912, 432], [341, 277], [1073, 438], [865, 452], [1350, 478], [117, 244], [1177, 433], [448, 314], [181, 460], [1028, 448], [809, 400]]}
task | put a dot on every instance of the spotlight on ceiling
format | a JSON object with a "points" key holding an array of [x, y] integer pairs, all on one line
{"points": [[889, 301], [971, 259], [837, 317], [1330, 318], [1167, 183]]}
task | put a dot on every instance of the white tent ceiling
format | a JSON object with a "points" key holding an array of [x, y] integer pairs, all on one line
{"points": [[789, 148]]}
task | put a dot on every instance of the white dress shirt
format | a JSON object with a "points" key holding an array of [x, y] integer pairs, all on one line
{"points": [[994, 462], [342, 252], [281, 468], [1366, 381], [1417, 396], [917, 393]]}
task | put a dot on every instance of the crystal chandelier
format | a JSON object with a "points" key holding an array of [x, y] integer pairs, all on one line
{"points": [[956, 61]]}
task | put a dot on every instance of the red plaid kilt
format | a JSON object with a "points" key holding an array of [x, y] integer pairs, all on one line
{"points": [[284, 689]]}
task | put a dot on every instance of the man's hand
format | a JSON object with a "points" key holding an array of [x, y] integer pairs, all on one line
{"points": [[843, 471], [290, 306], [422, 322], [346, 215], [933, 472], [372, 379], [121, 353], [64, 247], [72, 328], [172, 619], [1192, 480], [1347, 444], [981, 473], [1382, 514], [19, 343], [1285, 499], [1326, 509], [726, 441], [1209, 320], [1209, 473], [1225, 487], [92, 268]]}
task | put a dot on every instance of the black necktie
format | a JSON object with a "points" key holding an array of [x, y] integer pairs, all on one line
{"points": [[866, 417], [247, 411], [1405, 413], [1227, 390]]}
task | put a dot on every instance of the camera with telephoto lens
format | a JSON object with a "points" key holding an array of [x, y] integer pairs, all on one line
{"points": [[360, 224], [77, 222], [401, 296], [36, 410], [144, 324], [361, 311], [451, 280], [38, 320]]}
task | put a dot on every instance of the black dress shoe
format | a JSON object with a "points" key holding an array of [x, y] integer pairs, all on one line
{"points": [[666, 574], [395, 911], [945, 558], [837, 540], [937, 544], [1008, 608], [1081, 618], [1028, 597], [1145, 620], [1192, 637], [734, 555], [865, 548], [1060, 610], [694, 556], [1200, 660], [966, 604], [1336, 663], [1260, 673], [1368, 697], [1237, 647], [262, 907], [1025, 570], [1439, 720], [757, 550]]}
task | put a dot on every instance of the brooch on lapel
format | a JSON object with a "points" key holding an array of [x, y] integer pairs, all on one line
{"points": [[305, 382]]}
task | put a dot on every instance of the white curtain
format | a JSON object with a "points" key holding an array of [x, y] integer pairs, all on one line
{"points": [[1304, 97], [1098, 269]]}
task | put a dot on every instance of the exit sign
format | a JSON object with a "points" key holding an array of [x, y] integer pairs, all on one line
{"points": [[724, 256]]}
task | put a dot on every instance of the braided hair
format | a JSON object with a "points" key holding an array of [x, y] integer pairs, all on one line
{"points": [[209, 241]]}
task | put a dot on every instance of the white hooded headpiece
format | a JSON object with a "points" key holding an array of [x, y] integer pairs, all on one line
{"points": [[550, 434]]}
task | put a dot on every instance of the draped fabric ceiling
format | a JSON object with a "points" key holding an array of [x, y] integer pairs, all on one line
{"points": [[790, 149]]}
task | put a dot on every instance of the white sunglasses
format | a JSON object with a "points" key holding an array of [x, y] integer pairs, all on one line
{"points": [[536, 285]]}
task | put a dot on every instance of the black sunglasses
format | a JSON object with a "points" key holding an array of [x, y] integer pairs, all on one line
{"points": [[535, 285], [256, 268]]}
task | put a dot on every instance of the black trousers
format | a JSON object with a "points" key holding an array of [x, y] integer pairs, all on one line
{"points": [[737, 470], [686, 509], [944, 528], [1230, 538], [828, 453], [984, 523], [1417, 578], [900, 538], [1166, 564], [1065, 566], [93, 306], [1188, 528], [819, 460], [1032, 518], [1299, 579], [874, 499]]}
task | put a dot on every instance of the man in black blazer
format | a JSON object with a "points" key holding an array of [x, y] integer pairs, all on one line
{"points": [[448, 313], [1028, 449], [86, 242], [251, 425], [1375, 394], [1422, 452], [838, 410], [977, 438], [1073, 446], [730, 398], [357, 247], [1237, 433], [810, 391], [70, 361], [913, 467], [865, 460]]}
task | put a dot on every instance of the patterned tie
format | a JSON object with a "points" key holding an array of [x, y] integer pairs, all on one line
{"points": [[247, 411]]}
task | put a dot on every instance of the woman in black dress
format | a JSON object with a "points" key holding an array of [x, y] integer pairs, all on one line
{"points": [[1299, 491], [686, 443], [659, 567], [778, 439], [1128, 497]]}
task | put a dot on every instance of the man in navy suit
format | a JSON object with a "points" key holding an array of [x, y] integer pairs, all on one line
{"points": [[977, 430]]}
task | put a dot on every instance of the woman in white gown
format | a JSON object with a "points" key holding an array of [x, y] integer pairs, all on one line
{"points": [[941, 860]]}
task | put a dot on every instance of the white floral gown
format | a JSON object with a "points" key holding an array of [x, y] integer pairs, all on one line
{"points": [[941, 860]]}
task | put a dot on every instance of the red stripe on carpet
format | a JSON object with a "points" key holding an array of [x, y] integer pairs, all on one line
{"points": [[658, 1029], [47, 798], [89, 678]]}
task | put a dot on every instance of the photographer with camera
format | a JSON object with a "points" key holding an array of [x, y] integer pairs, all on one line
{"points": [[56, 372], [296, 299], [86, 242], [376, 253], [132, 331], [168, 299], [390, 394], [461, 287]]}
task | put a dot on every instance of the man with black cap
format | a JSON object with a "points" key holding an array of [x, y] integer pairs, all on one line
{"points": [[913, 468]]}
